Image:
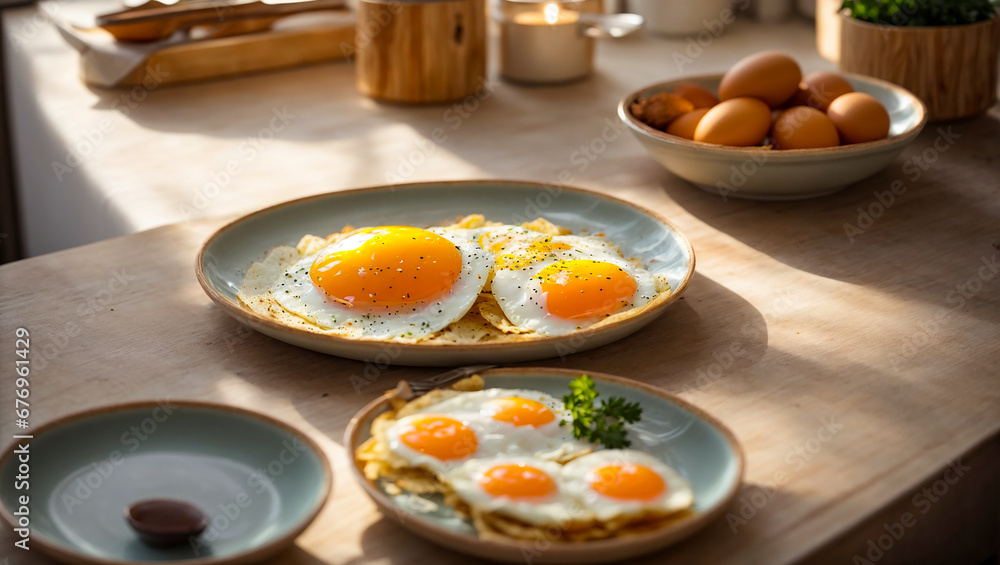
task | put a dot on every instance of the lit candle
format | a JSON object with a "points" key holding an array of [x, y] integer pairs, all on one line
{"points": [[550, 15], [544, 44]]}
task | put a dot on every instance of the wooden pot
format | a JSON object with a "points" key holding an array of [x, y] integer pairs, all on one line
{"points": [[953, 69], [421, 51]]}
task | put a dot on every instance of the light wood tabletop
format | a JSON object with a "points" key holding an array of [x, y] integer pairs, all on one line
{"points": [[851, 342], [855, 374]]}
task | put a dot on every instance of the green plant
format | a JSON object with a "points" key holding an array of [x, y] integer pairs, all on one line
{"points": [[599, 423], [921, 12]]}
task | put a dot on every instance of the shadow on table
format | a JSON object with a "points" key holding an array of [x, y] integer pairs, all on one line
{"points": [[708, 326], [240, 107], [701, 330], [944, 221], [739, 526], [385, 540], [298, 556]]}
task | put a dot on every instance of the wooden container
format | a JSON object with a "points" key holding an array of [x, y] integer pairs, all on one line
{"points": [[953, 69], [421, 51]]}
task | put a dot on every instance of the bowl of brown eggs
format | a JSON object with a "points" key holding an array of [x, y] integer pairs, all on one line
{"points": [[765, 131]]}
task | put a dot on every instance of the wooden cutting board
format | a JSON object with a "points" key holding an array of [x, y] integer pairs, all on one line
{"points": [[240, 54]]}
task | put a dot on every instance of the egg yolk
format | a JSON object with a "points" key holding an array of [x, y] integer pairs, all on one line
{"points": [[582, 288], [396, 266], [517, 481], [440, 437], [519, 411], [627, 481]]}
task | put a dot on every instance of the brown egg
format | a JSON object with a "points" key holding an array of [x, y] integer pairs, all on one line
{"points": [[660, 109], [820, 89], [700, 97], [859, 117], [685, 125], [803, 127], [739, 122], [771, 76]]}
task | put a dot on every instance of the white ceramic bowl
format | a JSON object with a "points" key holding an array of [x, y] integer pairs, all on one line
{"points": [[761, 174]]}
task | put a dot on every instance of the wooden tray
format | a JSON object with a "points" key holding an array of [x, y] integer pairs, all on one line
{"points": [[239, 54]]}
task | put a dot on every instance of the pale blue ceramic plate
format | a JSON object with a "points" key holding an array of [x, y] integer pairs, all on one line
{"points": [[259, 482], [698, 446], [226, 256]]}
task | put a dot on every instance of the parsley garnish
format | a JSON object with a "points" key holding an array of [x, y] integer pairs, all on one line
{"points": [[602, 423]]}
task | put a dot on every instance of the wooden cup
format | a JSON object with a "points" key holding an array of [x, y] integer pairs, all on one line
{"points": [[421, 51]]}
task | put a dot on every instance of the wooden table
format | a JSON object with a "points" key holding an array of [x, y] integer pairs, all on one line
{"points": [[858, 370]]}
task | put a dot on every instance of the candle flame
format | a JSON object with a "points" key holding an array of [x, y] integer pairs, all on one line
{"points": [[551, 13]]}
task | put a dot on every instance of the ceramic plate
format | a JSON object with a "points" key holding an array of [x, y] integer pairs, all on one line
{"points": [[700, 448], [258, 481], [226, 256], [760, 174]]}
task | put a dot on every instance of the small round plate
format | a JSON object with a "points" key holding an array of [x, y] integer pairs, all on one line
{"points": [[698, 446], [226, 256], [259, 481]]}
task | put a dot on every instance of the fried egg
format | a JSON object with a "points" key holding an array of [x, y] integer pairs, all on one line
{"points": [[386, 282], [554, 285], [518, 422], [530, 490], [622, 483], [435, 441]]}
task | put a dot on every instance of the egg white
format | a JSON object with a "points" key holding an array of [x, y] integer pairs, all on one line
{"points": [[520, 296], [549, 441], [557, 509], [427, 461], [677, 495], [297, 293]]}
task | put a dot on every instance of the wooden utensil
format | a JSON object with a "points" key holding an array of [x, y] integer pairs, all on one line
{"points": [[155, 21], [217, 57]]}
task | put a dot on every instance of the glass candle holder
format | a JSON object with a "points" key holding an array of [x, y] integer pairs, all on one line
{"points": [[545, 41]]}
